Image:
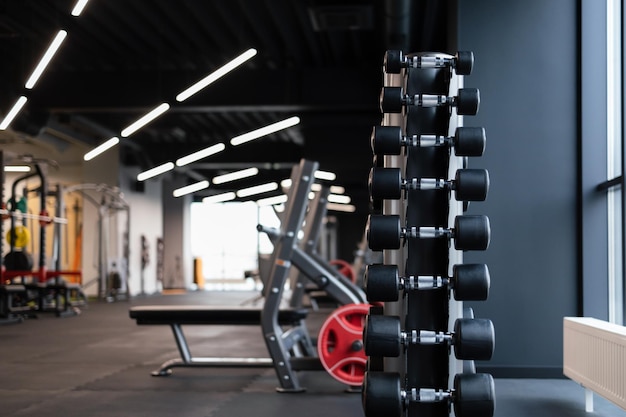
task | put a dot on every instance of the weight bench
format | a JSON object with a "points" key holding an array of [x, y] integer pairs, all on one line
{"points": [[296, 339]]}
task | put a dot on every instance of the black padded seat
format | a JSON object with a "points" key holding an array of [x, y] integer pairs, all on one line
{"points": [[202, 314]]}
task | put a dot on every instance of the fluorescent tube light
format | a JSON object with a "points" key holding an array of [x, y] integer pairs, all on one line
{"points": [[219, 198], [196, 156], [271, 201], [168, 166], [13, 112], [144, 120], [192, 188], [45, 60], [237, 175], [286, 183], [325, 175], [101, 148], [340, 199], [78, 8], [257, 189], [216, 75], [349, 208], [337, 189], [274, 127], [17, 168]]}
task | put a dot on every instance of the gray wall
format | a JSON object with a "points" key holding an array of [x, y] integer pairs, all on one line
{"points": [[526, 69]]}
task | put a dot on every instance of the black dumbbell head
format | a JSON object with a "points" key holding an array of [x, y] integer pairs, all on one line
{"points": [[386, 140], [391, 100], [471, 184], [384, 232], [385, 183], [468, 101], [381, 394], [474, 395], [392, 61], [381, 282], [469, 141], [472, 232], [381, 336], [464, 62], [471, 282], [474, 339]]}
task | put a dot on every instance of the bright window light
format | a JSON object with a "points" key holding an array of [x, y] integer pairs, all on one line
{"points": [[340, 199], [237, 175], [192, 188], [196, 156], [78, 8], [144, 120], [101, 148], [13, 112], [349, 208], [257, 189], [168, 166], [45, 60], [325, 175], [219, 198], [271, 201], [216, 75], [17, 168], [274, 127]]}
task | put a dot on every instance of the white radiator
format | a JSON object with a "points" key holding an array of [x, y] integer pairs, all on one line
{"points": [[594, 355]]}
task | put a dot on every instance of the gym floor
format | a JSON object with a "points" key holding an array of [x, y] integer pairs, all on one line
{"points": [[98, 364]]}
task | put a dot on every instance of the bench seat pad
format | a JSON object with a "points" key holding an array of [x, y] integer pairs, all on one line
{"points": [[203, 314]]}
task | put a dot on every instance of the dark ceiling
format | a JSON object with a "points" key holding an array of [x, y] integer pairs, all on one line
{"points": [[317, 59]]}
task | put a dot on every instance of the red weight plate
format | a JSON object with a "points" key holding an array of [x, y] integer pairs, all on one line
{"points": [[344, 269], [340, 344]]}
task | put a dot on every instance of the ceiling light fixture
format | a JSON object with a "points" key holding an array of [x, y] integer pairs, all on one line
{"points": [[274, 127], [216, 75], [17, 168], [144, 120], [168, 166], [325, 175], [78, 8], [337, 189], [13, 112], [237, 175], [219, 198], [101, 148], [349, 208], [192, 188], [211, 150], [339, 199], [52, 49], [257, 189]]}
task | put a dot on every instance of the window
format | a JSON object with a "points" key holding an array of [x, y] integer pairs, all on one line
{"points": [[225, 237]]}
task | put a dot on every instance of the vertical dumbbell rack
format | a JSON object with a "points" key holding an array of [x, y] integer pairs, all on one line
{"points": [[424, 237]]}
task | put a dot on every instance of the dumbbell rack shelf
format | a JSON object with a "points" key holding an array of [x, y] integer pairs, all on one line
{"points": [[420, 160]]}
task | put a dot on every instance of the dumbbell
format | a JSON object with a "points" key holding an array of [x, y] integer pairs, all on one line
{"points": [[467, 141], [468, 184], [472, 339], [462, 62], [469, 282], [382, 395], [392, 99], [469, 232]]}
